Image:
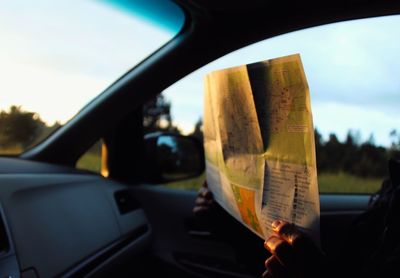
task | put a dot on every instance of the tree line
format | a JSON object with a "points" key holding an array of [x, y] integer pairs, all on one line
{"points": [[363, 159], [351, 156], [20, 129]]}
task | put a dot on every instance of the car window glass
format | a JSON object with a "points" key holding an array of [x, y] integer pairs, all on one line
{"points": [[91, 159], [352, 69], [56, 56]]}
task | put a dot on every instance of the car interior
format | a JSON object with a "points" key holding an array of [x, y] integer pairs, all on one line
{"points": [[60, 221]]}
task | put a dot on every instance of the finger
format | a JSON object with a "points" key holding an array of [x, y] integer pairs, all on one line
{"points": [[275, 268], [303, 248], [198, 210], [297, 239], [286, 230], [272, 242], [203, 202], [204, 185], [281, 249], [205, 192], [266, 274]]}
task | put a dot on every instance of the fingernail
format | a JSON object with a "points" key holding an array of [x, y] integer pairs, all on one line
{"points": [[275, 224], [271, 243]]}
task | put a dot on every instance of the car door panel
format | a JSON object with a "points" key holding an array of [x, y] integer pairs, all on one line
{"points": [[195, 250], [180, 242]]}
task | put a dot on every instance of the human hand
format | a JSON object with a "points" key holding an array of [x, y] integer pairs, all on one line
{"points": [[204, 203], [293, 253]]}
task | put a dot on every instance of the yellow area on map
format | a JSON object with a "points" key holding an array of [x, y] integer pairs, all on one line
{"points": [[245, 199], [291, 133]]}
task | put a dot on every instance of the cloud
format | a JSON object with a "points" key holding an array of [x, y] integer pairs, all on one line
{"points": [[351, 68], [58, 55]]}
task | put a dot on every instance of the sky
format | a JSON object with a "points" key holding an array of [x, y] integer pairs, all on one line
{"points": [[352, 69], [58, 55]]}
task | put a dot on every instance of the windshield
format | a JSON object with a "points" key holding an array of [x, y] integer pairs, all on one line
{"points": [[56, 56]]}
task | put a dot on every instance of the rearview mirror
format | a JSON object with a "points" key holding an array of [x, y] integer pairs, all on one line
{"points": [[172, 157]]}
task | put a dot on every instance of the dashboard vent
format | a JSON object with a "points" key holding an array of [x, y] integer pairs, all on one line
{"points": [[125, 201]]}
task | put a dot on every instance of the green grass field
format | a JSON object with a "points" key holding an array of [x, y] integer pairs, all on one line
{"points": [[328, 183], [344, 183], [90, 161], [11, 150]]}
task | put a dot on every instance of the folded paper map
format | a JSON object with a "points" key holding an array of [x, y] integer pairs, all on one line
{"points": [[259, 145]]}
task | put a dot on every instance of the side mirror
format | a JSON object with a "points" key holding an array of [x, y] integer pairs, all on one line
{"points": [[172, 157]]}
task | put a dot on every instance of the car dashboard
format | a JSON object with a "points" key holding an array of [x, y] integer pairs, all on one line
{"points": [[57, 221]]}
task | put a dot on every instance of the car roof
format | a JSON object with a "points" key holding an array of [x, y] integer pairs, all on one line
{"points": [[212, 29]]}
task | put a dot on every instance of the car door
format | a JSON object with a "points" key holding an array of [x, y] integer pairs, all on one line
{"points": [[351, 166]]}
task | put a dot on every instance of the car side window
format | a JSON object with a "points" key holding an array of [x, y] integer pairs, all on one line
{"points": [[352, 69], [91, 159]]}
